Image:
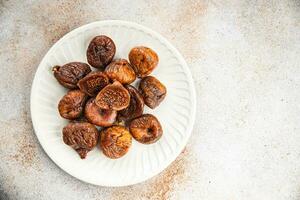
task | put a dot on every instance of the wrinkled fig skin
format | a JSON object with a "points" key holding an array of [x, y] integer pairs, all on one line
{"points": [[101, 51], [153, 91], [93, 83], [143, 60], [98, 116], [120, 70], [115, 141], [136, 105], [69, 74], [81, 136], [113, 97], [146, 129], [72, 104]]}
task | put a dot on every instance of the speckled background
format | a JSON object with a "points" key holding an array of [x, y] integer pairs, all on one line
{"points": [[245, 61]]}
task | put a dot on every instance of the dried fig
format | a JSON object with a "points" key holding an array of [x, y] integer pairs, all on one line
{"points": [[81, 136], [113, 97], [146, 129], [120, 70], [136, 105], [69, 74], [98, 116], [143, 60], [101, 51], [115, 141], [71, 105], [153, 91], [93, 83]]}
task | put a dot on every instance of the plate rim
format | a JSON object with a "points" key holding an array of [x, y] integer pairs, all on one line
{"points": [[189, 79]]}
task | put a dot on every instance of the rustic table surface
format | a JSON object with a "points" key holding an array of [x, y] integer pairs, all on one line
{"points": [[245, 61]]}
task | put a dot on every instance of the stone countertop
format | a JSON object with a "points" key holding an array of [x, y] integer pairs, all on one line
{"points": [[245, 61]]}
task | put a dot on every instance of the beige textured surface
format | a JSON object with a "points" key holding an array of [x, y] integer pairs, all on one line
{"points": [[244, 56]]}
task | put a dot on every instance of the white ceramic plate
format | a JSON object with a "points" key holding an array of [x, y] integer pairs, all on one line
{"points": [[176, 113]]}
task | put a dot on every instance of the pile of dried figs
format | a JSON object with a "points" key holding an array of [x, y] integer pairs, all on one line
{"points": [[105, 98]]}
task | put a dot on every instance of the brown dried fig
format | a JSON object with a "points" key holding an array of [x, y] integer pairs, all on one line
{"points": [[101, 51], [93, 83], [143, 60], [115, 141], [69, 74], [71, 105], [153, 91], [146, 129], [81, 136], [98, 116], [136, 105], [113, 97], [120, 70]]}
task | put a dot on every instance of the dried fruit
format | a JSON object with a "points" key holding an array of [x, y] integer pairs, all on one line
{"points": [[98, 116], [153, 91], [120, 70], [69, 74], [101, 51], [113, 97], [115, 141], [146, 129], [136, 105], [93, 83], [81, 136], [143, 60], [71, 105]]}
